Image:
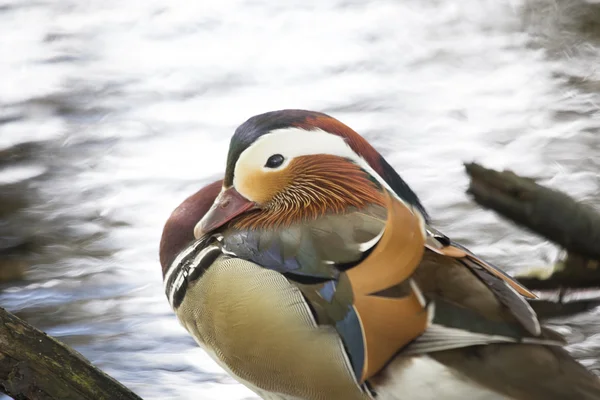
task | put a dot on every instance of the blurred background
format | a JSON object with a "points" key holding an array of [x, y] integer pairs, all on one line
{"points": [[112, 112]]}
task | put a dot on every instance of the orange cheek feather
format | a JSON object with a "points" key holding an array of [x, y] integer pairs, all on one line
{"points": [[261, 186]]}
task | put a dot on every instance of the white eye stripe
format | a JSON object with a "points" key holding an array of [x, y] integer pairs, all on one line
{"points": [[292, 143], [296, 142]]}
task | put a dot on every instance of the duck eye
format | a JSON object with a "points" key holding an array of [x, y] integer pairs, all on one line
{"points": [[274, 161]]}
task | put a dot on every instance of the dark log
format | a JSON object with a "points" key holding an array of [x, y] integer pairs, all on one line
{"points": [[552, 214], [35, 366]]}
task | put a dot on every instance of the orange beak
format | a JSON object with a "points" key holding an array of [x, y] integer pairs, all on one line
{"points": [[228, 205]]}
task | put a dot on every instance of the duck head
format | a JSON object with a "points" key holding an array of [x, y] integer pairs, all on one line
{"points": [[290, 165]]}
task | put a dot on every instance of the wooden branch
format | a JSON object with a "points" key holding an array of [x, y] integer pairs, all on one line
{"points": [[552, 214], [34, 366]]}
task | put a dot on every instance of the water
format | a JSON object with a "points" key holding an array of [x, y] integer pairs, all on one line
{"points": [[112, 112]]}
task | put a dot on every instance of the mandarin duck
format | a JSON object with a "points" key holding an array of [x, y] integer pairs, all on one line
{"points": [[311, 271]]}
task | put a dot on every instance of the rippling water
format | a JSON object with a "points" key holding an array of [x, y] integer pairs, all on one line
{"points": [[112, 112]]}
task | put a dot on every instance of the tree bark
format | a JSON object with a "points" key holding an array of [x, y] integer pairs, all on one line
{"points": [[34, 366]]}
